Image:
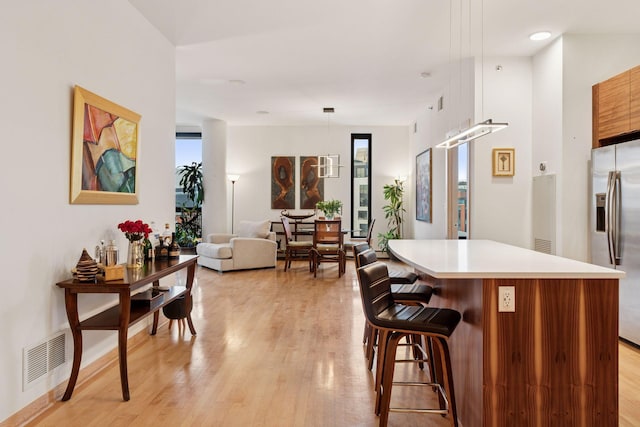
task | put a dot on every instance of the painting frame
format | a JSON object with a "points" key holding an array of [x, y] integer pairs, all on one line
{"points": [[88, 150], [283, 179], [423, 186], [503, 162], [311, 184]]}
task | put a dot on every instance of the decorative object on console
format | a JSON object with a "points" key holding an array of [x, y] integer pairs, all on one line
{"points": [[135, 231], [423, 186], [504, 161], [87, 268], [311, 185], [283, 178], [104, 152], [330, 207]]}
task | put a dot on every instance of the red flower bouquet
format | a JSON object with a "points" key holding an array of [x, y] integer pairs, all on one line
{"points": [[135, 230]]}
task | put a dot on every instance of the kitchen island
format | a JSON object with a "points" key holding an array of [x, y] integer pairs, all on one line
{"points": [[551, 362]]}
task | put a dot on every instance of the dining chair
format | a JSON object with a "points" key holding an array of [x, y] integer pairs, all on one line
{"points": [[328, 244], [351, 243], [294, 249]]}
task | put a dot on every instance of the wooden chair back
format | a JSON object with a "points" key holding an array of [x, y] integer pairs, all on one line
{"points": [[287, 228], [327, 232]]}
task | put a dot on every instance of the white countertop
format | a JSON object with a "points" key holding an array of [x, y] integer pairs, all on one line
{"points": [[485, 259]]}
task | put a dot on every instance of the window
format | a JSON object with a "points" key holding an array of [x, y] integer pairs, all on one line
{"points": [[360, 184], [188, 150]]}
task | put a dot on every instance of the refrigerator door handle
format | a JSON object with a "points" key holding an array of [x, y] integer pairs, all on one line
{"points": [[617, 255], [609, 216]]}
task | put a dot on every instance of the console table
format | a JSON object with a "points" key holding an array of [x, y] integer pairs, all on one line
{"points": [[121, 316]]}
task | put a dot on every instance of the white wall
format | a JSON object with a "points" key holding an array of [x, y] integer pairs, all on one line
{"points": [[432, 127], [501, 206], [587, 60], [250, 148], [547, 122], [47, 48]]}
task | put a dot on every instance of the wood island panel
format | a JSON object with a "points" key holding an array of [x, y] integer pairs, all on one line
{"points": [[553, 362]]}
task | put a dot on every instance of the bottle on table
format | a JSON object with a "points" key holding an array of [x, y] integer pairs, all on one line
{"points": [[174, 248], [166, 234], [162, 250]]}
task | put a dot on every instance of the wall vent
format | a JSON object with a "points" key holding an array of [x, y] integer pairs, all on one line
{"points": [[542, 245], [42, 358], [544, 214]]}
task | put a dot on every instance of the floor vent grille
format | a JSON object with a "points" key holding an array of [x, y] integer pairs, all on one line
{"points": [[43, 358]]}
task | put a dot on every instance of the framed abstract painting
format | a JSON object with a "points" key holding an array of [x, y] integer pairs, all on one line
{"points": [[283, 177], [311, 185], [423, 186], [104, 151]]}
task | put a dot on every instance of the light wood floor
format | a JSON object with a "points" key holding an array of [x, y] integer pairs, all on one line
{"points": [[273, 349]]}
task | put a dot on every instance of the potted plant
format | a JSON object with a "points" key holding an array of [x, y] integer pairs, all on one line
{"points": [[329, 207], [189, 223], [393, 213]]}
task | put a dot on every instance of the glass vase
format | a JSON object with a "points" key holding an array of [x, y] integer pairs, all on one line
{"points": [[135, 254]]}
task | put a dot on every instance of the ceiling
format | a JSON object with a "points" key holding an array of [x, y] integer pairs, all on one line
{"points": [[279, 62]]}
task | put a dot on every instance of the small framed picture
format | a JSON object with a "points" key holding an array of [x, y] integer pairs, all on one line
{"points": [[504, 161]]}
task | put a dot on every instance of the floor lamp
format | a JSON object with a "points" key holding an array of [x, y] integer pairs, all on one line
{"points": [[233, 179]]}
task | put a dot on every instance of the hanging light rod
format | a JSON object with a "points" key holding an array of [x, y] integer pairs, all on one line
{"points": [[474, 132]]}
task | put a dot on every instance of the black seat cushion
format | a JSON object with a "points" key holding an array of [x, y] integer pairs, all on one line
{"points": [[415, 292], [417, 318], [402, 277]]}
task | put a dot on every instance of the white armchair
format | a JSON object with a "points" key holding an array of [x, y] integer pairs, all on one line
{"points": [[254, 246]]}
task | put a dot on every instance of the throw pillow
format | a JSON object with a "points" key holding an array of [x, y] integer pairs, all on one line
{"points": [[259, 229]]}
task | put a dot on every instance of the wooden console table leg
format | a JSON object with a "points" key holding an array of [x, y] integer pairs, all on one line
{"points": [[156, 314], [125, 313], [191, 272], [156, 318], [71, 305]]}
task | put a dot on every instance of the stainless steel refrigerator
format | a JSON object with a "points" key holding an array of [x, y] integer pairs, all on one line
{"points": [[615, 225]]}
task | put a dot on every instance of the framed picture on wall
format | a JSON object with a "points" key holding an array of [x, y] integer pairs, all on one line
{"points": [[423, 186], [104, 151], [311, 185], [504, 161], [283, 177]]}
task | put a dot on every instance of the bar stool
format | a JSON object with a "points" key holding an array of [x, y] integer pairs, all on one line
{"points": [[395, 321], [404, 290]]}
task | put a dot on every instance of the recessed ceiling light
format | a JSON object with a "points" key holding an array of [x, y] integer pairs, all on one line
{"points": [[540, 35], [237, 82], [262, 112], [425, 74]]}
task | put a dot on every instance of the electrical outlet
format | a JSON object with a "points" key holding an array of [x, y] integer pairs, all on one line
{"points": [[506, 299]]}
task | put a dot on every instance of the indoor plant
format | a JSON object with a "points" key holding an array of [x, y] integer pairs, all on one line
{"points": [[189, 223], [393, 213], [329, 207]]}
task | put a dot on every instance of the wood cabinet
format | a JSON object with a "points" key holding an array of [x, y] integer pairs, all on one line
{"points": [[634, 98], [616, 107]]}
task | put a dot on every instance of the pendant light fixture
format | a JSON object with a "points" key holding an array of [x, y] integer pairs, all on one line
{"points": [[328, 165], [485, 127]]}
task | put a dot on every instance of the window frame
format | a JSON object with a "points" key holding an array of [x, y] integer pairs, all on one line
{"points": [[355, 187]]}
